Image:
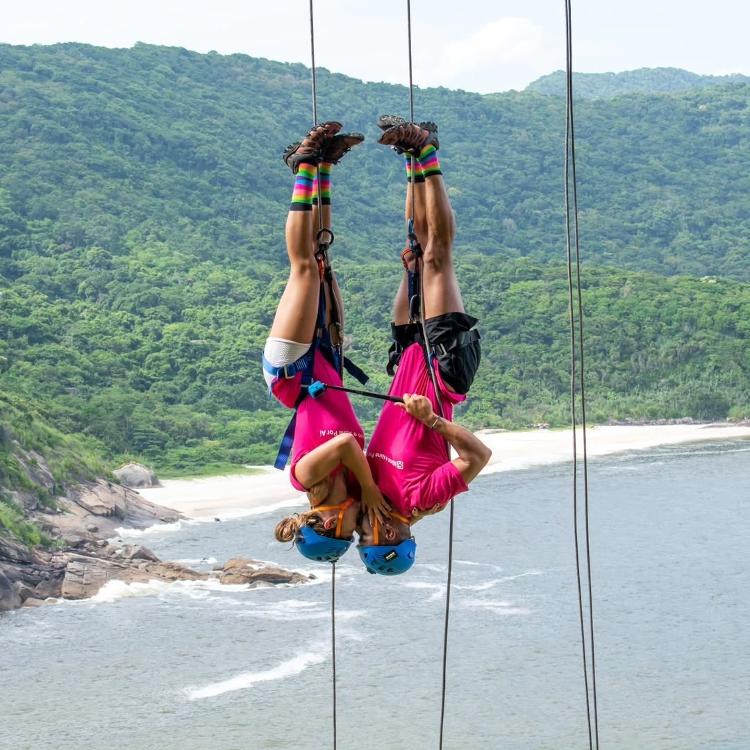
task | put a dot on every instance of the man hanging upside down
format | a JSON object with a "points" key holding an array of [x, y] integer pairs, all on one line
{"points": [[408, 453]]}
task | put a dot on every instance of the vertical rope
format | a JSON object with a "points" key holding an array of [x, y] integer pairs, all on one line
{"points": [[312, 57], [419, 267], [315, 106], [577, 381], [411, 101], [333, 646], [333, 302]]}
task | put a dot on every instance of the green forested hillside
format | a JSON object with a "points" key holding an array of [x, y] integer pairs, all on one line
{"points": [[642, 81], [142, 204], [163, 143]]}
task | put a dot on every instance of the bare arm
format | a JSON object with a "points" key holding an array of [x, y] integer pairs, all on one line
{"points": [[473, 454], [342, 449]]}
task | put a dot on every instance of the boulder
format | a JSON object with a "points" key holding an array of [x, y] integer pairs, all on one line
{"points": [[253, 572], [12, 551], [85, 575], [136, 476], [97, 509], [9, 596]]}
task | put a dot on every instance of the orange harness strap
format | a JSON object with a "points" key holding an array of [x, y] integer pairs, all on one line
{"points": [[342, 508], [376, 527]]}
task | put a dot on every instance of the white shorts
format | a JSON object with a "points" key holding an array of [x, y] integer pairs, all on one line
{"points": [[280, 353]]}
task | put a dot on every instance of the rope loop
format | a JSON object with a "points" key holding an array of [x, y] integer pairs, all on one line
{"points": [[322, 233]]}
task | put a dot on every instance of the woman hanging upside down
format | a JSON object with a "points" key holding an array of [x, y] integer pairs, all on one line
{"points": [[327, 460], [408, 452]]}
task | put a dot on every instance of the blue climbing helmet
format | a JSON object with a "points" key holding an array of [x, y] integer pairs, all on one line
{"points": [[388, 559], [315, 546]]}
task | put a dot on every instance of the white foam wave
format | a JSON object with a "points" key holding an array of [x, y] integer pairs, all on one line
{"points": [[486, 585], [197, 561], [478, 564], [159, 528], [291, 610], [433, 568], [113, 591], [437, 589], [496, 606], [230, 514], [289, 668]]}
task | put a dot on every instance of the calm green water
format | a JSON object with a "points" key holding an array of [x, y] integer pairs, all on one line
{"points": [[194, 667]]}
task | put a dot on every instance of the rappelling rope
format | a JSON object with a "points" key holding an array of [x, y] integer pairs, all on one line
{"points": [[333, 646], [419, 267], [333, 302], [575, 307]]}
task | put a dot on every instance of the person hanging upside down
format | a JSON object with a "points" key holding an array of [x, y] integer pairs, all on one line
{"points": [[327, 458], [408, 453]]}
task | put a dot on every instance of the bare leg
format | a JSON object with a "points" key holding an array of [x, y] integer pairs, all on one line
{"points": [[441, 291], [401, 302], [298, 308]]}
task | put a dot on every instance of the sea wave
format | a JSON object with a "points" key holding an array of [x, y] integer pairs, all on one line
{"points": [[291, 610], [486, 585], [158, 528], [437, 589], [496, 606], [113, 591], [197, 561], [290, 668]]}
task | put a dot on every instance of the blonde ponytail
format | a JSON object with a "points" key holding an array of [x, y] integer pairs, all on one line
{"points": [[288, 528]]}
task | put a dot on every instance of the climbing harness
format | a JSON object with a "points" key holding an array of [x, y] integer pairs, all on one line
{"points": [[323, 343], [575, 319]]}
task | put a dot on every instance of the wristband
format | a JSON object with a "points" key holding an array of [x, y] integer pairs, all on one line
{"points": [[435, 423]]}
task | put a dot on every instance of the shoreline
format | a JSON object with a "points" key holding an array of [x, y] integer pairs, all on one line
{"points": [[237, 495]]}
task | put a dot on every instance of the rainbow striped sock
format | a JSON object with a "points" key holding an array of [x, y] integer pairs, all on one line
{"points": [[302, 194], [428, 159], [324, 170], [418, 175]]}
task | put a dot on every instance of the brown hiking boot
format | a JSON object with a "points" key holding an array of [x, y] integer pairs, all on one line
{"points": [[310, 148], [385, 122], [335, 148], [409, 137]]}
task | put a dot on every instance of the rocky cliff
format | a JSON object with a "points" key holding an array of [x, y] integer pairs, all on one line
{"points": [[57, 544]]}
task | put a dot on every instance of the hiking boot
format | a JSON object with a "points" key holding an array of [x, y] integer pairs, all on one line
{"points": [[335, 148], [385, 122], [310, 148], [409, 138], [388, 121]]}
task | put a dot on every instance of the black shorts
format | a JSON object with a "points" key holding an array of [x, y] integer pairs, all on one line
{"points": [[454, 341]]}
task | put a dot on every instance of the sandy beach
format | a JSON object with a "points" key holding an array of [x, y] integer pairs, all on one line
{"points": [[247, 494]]}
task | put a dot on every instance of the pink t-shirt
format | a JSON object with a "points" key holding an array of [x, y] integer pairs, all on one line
{"points": [[318, 419], [410, 462]]}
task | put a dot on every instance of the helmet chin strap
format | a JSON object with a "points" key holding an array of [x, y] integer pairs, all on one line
{"points": [[341, 508], [376, 525]]}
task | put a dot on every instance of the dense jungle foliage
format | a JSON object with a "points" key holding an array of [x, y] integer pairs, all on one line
{"points": [[142, 205]]}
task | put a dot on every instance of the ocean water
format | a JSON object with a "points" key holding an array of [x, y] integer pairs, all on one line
{"points": [[196, 666]]}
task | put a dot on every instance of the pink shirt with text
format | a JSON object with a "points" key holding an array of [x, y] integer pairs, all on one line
{"points": [[410, 462], [318, 419]]}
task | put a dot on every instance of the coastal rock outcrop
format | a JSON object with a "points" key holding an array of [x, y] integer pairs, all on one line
{"points": [[9, 596], [76, 559], [256, 573], [97, 509], [86, 573], [136, 476]]}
